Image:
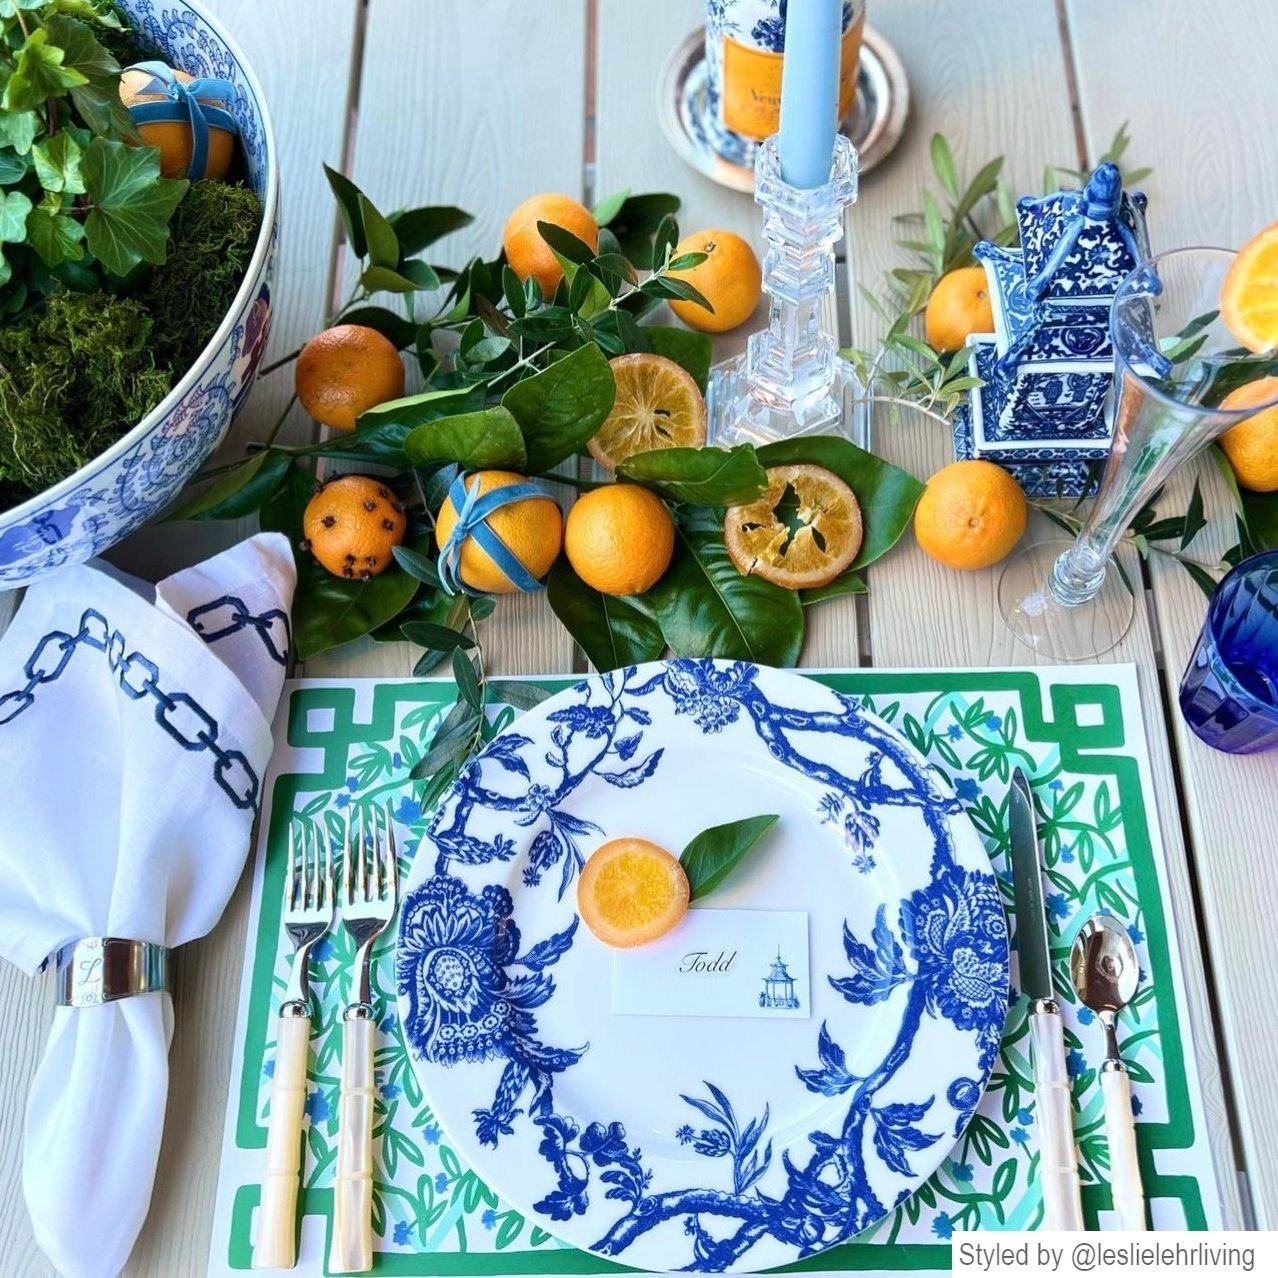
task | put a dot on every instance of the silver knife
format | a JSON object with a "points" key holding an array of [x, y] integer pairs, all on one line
{"points": [[1058, 1161]]}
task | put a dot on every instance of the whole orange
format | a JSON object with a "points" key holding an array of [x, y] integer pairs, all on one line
{"points": [[352, 526], [173, 137], [529, 254], [1252, 445], [619, 539], [959, 306], [530, 528], [970, 515], [729, 279], [344, 371]]}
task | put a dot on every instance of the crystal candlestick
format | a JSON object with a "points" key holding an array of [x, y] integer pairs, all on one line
{"points": [[791, 380]]}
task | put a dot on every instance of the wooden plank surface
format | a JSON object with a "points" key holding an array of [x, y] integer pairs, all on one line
{"points": [[418, 141], [302, 51], [1214, 182], [463, 109], [633, 154], [1006, 93]]}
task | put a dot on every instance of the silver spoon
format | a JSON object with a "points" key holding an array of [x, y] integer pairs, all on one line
{"points": [[1105, 972]]}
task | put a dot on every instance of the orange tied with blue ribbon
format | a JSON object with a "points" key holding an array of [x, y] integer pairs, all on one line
{"points": [[187, 118]]}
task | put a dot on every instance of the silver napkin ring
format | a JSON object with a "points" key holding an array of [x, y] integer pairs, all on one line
{"points": [[100, 969]]}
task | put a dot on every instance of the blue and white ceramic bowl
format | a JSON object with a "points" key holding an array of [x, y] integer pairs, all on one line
{"points": [[138, 476]]}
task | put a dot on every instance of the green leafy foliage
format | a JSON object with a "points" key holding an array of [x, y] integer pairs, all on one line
{"points": [[82, 207], [716, 852], [612, 632]]}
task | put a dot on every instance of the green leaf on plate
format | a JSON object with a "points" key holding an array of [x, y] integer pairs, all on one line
{"points": [[560, 408], [702, 476], [128, 222], [716, 852], [706, 608], [692, 351], [887, 495], [611, 631], [477, 441]]}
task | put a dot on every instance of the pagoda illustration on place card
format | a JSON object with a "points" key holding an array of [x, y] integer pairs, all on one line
{"points": [[778, 986], [1048, 366]]}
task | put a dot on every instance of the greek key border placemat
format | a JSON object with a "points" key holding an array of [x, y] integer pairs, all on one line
{"points": [[1078, 733]]}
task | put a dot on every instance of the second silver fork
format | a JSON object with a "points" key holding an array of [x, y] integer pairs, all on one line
{"points": [[368, 893]]}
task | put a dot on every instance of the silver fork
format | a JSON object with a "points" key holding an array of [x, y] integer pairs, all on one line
{"points": [[308, 914], [368, 894]]}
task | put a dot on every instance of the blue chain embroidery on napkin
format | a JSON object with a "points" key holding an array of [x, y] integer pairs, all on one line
{"points": [[221, 618], [178, 713]]}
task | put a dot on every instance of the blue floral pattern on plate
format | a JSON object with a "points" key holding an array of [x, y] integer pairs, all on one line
{"points": [[792, 1151], [133, 481]]}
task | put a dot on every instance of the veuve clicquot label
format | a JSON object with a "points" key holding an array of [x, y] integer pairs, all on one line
{"points": [[752, 58]]}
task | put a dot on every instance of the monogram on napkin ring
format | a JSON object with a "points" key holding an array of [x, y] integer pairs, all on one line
{"points": [[100, 969]]}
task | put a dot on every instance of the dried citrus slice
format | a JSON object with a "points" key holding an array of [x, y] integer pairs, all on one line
{"points": [[803, 531], [1249, 295], [658, 405], [631, 892]]}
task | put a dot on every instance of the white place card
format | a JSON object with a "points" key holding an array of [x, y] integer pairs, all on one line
{"points": [[719, 963]]}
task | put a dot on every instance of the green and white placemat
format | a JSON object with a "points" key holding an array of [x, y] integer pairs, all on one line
{"points": [[1078, 733]]}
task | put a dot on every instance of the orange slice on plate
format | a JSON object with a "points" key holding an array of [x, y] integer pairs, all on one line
{"points": [[1249, 295], [802, 532], [631, 892], [658, 405]]}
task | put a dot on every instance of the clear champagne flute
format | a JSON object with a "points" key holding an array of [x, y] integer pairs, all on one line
{"points": [[1174, 362]]}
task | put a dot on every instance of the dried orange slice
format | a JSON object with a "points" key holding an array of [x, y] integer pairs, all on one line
{"points": [[803, 531], [658, 405], [1249, 295], [631, 892]]}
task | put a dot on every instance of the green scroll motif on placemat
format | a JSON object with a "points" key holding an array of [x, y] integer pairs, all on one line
{"points": [[1077, 734]]}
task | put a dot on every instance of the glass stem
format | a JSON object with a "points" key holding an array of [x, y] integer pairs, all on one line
{"points": [[1134, 472]]}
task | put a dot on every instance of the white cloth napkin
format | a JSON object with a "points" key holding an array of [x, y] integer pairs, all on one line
{"points": [[134, 734]]}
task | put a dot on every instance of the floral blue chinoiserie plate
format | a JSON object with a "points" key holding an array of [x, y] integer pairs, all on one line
{"points": [[704, 1142]]}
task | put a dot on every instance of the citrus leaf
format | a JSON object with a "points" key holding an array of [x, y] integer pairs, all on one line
{"points": [[418, 229], [716, 852], [329, 611], [348, 202], [846, 583], [702, 476], [131, 204], [691, 351], [887, 495], [611, 631], [239, 492], [477, 441], [560, 408], [395, 328], [706, 608], [383, 243]]}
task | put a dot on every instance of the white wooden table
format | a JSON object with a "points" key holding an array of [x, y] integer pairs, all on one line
{"points": [[483, 102]]}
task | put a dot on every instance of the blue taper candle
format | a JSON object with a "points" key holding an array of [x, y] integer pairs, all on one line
{"points": [[810, 90]]}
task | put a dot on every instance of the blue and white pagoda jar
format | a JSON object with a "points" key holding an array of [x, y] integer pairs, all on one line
{"points": [[745, 47]]}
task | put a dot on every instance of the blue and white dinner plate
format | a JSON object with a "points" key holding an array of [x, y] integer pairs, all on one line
{"points": [[722, 1143]]}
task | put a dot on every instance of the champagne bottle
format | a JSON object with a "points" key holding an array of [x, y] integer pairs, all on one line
{"points": [[745, 43]]}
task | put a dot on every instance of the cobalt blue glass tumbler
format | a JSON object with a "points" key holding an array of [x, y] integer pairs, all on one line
{"points": [[1229, 694]]}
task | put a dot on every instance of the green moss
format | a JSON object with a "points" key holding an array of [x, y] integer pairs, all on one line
{"points": [[214, 234], [75, 376], [82, 370]]}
